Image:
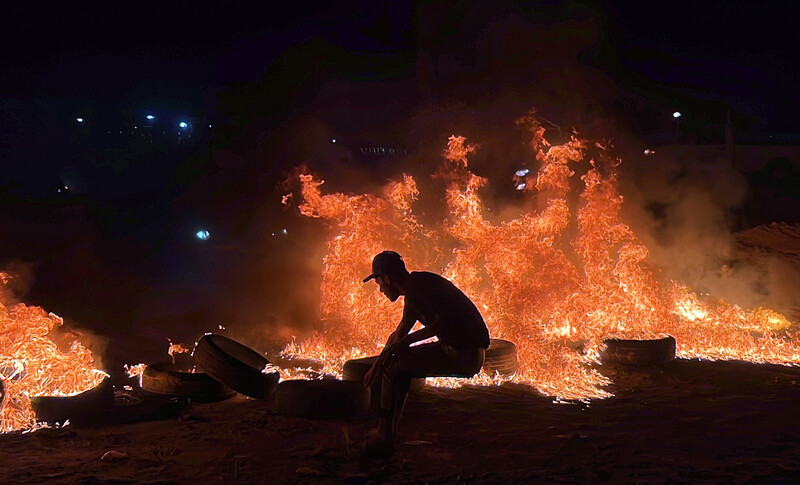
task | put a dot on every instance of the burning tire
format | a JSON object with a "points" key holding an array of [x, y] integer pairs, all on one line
{"points": [[80, 407], [501, 358], [171, 380], [235, 365], [322, 399], [638, 352]]}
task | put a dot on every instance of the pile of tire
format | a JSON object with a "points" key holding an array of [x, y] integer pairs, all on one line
{"points": [[169, 380], [501, 358], [638, 352], [236, 366]]}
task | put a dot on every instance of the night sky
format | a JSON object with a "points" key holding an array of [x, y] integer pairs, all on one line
{"points": [[734, 51], [252, 71]]}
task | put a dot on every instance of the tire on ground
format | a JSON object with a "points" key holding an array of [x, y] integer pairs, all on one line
{"points": [[501, 358], [322, 398], [235, 365], [171, 380], [356, 369], [78, 408], [638, 352]]}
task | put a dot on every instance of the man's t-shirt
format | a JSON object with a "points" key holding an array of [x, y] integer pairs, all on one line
{"points": [[459, 324]]}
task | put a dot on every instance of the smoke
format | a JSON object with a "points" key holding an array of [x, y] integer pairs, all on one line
{"points": [[685, 204]]}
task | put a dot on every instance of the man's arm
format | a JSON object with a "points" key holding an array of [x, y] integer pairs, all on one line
{"points": [[422, 334], [405, 326]]}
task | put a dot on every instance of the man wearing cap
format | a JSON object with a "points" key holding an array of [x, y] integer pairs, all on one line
{"points": [[446, 313]]}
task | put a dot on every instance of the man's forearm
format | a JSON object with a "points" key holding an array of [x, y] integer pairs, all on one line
{"points": [[419, 335]]}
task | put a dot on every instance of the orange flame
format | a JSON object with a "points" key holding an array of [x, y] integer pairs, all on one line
{"points": [[31, 364], [555, 294]]}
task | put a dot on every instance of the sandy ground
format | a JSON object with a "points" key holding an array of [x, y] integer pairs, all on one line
{"points": [[683, 422]]}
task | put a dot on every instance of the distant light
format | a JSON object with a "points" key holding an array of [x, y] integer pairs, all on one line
{"points": [[285, 231], [203, 235], [521, 186], [79, 120], [183, 124], [677, 114], [209, 126], [333, 141], [150, 117], [522, 173], [648, 151]]}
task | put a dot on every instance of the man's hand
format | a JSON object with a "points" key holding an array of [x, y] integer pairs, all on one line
{"points": [[391, 348]]}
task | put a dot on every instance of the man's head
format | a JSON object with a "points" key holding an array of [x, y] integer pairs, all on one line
{"points": [[389, 271]]}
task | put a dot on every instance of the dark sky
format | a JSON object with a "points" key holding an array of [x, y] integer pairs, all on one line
{"points": [[735, 52]]}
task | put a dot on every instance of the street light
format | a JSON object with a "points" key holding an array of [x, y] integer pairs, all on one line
{"points": [[79, 120], [677, 117], [183, 124], [150, 117]]}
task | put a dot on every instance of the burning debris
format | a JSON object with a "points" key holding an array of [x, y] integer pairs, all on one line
{"points": [[556, 275]]}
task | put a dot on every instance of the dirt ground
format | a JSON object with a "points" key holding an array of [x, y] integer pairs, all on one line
{"points": [[683, 422]]}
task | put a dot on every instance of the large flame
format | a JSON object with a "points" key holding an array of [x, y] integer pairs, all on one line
{"points": [[31, 364], [556, 280]]}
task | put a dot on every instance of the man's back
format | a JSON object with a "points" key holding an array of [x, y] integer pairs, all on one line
{"points": [[459, 324]]}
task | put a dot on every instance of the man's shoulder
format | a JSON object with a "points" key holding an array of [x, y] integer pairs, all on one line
{"points": [[427, 278]]}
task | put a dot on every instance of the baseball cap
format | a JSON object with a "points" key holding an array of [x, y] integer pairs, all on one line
{"points": [[386, 262]]}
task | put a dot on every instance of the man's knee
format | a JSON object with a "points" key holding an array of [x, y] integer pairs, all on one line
{"points": [[397, 375]]}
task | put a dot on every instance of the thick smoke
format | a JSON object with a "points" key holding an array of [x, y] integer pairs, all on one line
{"points": [[686, 207]]}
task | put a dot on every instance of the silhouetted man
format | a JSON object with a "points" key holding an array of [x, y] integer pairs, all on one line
{"points": [[446, 313]]}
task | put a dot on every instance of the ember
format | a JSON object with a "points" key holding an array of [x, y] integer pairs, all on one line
{"points": [[518, 273], [31, 363]]}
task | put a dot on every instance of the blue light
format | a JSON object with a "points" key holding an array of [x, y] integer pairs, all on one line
{"points": [[183, 124], [150, 117], [203, 235], [79, 120]]}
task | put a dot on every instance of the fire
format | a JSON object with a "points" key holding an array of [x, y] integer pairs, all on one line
{"points": [[556, 280], [31, 364]]}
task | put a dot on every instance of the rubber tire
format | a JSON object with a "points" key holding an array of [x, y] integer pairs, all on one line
{"points": [[356, 369], [638, 352], [501, 358], [322, 398], [77, 408], [235, 365], [171, 380]]}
